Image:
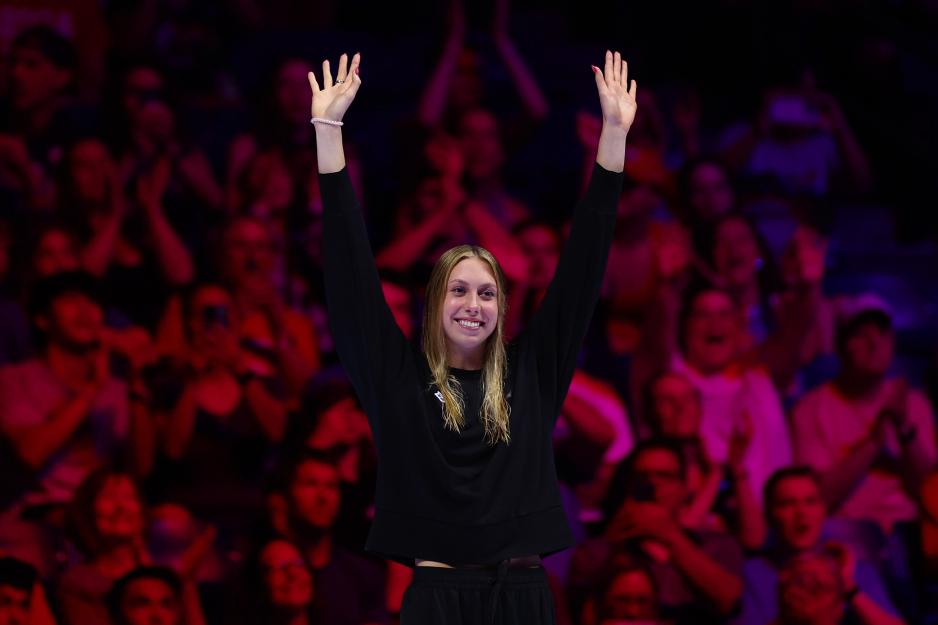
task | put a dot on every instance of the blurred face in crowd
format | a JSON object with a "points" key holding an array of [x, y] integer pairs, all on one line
{"points": [[542, 247], [314, 494], [481, 144], [631, 596], [676, 407], [90, 169], [399, 301], [149, 601], [712, 332], [470, 307], [14, 606], [141, 85], [810, 592], [869, 350], [796, 512], [292, 91], [806, 247], [711, 195], [289, 583], [74, 321], [249, 253], [212, 322], [269, 186], [118, 512], [55, 253], [35, 80], [661, 469], [736, 254]]}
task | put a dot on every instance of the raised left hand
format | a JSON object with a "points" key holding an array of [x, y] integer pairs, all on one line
{"points": [[617, 97]]}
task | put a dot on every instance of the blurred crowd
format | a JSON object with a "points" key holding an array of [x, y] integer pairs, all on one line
{"points": [[749, 437]]}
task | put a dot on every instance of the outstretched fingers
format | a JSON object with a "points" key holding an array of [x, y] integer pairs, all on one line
{"points": [[343, 69], [313, 83], [326, 75], [607, 72], [617, 68], [354, 79], [633, 90]]}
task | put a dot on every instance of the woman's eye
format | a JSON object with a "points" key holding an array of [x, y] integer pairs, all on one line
{"points": [[488, 294], [458, 289]]}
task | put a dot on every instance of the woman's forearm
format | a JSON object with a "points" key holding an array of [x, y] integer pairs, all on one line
{"points": [[329, 150], [610, 153]]}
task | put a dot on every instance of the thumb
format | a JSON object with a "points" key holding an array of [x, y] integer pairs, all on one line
{"points": [[600, 81]]}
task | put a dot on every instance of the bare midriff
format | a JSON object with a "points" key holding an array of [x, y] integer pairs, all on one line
{"points": [[515, 563]]}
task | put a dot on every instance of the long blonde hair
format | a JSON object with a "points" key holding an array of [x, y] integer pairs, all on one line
{"points": [[495, 409]]}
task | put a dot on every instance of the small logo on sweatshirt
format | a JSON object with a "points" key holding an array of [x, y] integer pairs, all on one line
{"points": [[439, 396]]}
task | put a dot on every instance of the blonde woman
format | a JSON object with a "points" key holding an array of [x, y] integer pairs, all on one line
{"points": [[467, 491]]}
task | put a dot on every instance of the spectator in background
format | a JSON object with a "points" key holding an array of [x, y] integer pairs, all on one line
{"points": [[153, 595], [810, 592], [541, 244], [54, 250], [456, 86], [795, 510], [706, 192], [38, 118], [697, 572], [674, 412], [869, 436], [149, 131], [128, 242], [802, 142], [64, 411], [443, 216], [282, 134], [108, 523], [22, 598], [736, 392], [281, 586], [220, 417], [349, 588], [627, 595]]}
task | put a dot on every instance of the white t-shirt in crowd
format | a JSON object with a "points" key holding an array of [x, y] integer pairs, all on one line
{"points": [[724, 398], [826, 426]]}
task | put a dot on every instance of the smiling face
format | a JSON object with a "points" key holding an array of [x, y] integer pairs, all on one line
{"points": [[117, 511], [289, 583], [470, 311], [712, 332], [796, 511]]}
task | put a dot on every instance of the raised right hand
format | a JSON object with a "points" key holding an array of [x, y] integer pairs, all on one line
{"points": [[333, 99]]}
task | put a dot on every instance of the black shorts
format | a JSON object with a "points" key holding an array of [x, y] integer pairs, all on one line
{"points": [[503, 596]]}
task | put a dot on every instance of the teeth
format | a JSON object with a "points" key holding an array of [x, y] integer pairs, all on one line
{"points": [[468, 324]]}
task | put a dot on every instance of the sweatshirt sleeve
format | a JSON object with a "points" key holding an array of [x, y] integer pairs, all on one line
{"points": [[559, 326], [369, 343]]}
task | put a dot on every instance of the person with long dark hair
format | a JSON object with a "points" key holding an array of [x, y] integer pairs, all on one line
{"points": [[467, 491]]}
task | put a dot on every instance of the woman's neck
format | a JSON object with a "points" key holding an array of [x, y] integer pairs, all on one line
{"points": [[467, 361]]}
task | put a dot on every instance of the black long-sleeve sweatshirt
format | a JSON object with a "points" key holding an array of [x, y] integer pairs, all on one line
{"points": [[443, 495]]}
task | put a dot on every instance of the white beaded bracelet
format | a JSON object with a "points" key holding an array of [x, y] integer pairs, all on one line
{"points": [[323, 120]]}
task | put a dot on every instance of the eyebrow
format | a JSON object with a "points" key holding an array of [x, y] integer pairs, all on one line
{"points": [[487, 285]]}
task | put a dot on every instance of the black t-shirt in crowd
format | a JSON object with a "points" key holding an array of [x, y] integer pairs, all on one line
{"points": [[443, 495]]}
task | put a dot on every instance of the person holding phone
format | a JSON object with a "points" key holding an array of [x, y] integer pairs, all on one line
{"points": [[219, 418], [696, 571], [467, 491]]}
